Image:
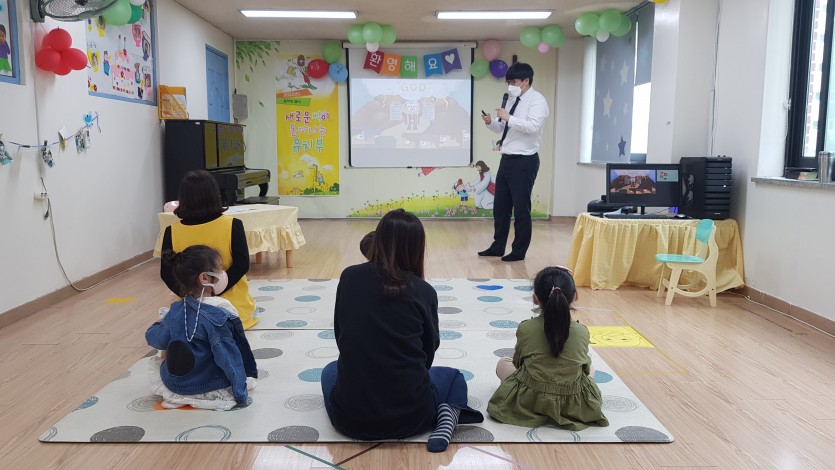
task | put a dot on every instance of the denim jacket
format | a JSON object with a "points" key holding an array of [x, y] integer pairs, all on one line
{"points": [[218, 356]]}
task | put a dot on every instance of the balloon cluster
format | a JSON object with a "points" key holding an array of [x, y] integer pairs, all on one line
{"points": [[332, 52], [491, 49], [123, 12], [602, 25], [57, 54], [373, 35], [542, 39]]}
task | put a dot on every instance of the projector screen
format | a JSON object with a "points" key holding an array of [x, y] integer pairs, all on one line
{"points": [[410, 122]]}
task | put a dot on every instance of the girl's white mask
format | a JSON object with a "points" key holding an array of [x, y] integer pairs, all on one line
{"points": [[220, 285]]}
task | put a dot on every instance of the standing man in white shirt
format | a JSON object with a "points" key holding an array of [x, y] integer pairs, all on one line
{"points": [[520, 122]]}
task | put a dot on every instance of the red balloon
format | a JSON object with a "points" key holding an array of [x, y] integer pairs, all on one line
{"points": [[317, 68], [58, 39], [62, 69], [75, 58], [47, 59]]}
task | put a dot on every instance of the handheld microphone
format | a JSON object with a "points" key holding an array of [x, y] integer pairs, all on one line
{"points": [[504, 102]]}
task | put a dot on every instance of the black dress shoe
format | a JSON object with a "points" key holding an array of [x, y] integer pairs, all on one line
{"points": [[489, 252], [512, 257]]}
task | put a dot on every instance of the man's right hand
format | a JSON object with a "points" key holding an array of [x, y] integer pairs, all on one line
{"points": [[486, 118]]}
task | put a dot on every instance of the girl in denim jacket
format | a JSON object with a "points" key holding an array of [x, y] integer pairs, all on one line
{"points": [[208, 362]]}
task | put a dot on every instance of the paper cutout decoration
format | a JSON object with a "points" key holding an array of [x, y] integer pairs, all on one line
{"points": [[391, 65], [408, 66], [432, 64], [373, 61], [451, 60]]}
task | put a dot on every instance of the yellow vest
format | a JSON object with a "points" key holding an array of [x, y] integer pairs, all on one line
{"points": [[218, 235]]}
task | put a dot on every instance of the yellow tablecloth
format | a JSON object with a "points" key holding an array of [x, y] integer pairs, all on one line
{"points": [[606, 253], [268, 227]]}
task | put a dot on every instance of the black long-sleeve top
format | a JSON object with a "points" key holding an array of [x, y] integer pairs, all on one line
{"points": [[240, 254], [386, 347]]}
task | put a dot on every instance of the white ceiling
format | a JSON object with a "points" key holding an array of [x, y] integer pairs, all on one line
{"points": [[414, 20]]}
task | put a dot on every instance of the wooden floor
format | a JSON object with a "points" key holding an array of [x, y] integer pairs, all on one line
{"points": [[738, 386]]}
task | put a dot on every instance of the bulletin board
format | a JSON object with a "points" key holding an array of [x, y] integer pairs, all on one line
{"points": [[9, 63], [122, 59]]}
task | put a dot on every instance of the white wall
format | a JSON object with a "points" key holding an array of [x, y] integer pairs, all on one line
{"points": [[105, 200]]}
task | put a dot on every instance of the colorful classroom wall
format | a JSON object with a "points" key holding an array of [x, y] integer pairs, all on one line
{"points": [[308, 157]]}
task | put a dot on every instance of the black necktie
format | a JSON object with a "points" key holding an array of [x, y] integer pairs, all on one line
{"points": [[507, 124]]}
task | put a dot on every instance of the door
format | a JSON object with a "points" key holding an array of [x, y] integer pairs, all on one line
{"points": [[217, 84]]}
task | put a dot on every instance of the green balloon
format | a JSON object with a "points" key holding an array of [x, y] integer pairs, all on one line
{"points": [[355, 34], [389, 35], [587, 24], [610, 20], [530, 36], [479, 68], [118, 14], [135, 14], [372, 32], [624, 28], [553, 35], [331, 51]]}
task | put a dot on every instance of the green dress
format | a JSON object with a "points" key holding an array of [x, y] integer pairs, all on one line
{"points": [[547, 389]]}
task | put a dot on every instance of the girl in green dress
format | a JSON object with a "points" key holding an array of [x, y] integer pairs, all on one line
{"points": [[550, 379]]}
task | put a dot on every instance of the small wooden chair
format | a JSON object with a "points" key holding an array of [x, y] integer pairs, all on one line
{"points": [[703, 262]]}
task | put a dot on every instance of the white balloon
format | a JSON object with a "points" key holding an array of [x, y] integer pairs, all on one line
{"points": [[602, 36], [138, 3], [372, 46]]}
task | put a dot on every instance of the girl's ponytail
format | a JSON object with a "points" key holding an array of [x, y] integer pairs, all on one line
{"points": [[555, 290]]}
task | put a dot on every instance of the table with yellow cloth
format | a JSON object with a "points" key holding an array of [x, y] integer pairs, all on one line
{"points": [[267, 227], [607, 253]]}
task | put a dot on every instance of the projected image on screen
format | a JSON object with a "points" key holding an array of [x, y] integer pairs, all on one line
{"points": [[418, 122]]}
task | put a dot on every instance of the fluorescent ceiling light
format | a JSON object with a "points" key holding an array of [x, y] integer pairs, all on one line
{"points": [[299, 14], [493, 15]]}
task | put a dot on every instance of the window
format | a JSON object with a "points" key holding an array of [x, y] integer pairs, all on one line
{"points": [[810, 128], [622, 92]]}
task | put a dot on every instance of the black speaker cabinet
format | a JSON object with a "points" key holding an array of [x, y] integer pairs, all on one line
{"points": [[188, 145], [706, 184]]}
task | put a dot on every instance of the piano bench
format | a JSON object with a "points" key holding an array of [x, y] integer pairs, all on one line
{"points": [[260, 200]]}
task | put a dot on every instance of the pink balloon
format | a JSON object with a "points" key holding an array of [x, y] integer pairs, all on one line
{"points": [[491, 49], [543, 47]]}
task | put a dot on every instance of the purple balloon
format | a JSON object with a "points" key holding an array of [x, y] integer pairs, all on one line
{"points": [[498, 68]]}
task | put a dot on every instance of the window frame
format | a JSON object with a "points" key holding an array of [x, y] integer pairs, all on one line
{"points": [[799, 82]]}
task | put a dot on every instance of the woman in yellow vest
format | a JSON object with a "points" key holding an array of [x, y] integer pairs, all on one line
{"points": [[202, 223]]}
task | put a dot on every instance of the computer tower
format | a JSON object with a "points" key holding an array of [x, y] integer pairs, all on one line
{"points": [[706, 184], [188, 145]]}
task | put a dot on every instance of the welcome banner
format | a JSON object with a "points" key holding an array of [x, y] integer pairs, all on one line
{"points": [[307, 129]]}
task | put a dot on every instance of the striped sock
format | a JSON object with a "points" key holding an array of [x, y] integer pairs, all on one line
{"points": [[440, 437]]}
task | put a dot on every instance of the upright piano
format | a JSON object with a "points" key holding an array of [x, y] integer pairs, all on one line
{"points": [[217, 147]]}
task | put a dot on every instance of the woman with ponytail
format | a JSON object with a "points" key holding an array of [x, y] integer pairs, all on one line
{"points": [[549, 380]]}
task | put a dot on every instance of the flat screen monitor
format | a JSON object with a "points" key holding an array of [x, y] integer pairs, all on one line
{"points": [[230, 146], [643, 185]]}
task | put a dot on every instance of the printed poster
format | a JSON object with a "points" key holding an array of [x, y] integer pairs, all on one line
{"points": [[121, 58], [307, 129]]}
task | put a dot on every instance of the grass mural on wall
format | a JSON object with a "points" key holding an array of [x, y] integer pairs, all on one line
{"points": [[437, 205]]}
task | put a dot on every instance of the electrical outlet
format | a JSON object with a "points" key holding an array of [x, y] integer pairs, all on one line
{"points": [[40, 195]]}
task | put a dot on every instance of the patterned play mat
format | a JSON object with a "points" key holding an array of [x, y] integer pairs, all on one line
{"points": [[287, 403]]}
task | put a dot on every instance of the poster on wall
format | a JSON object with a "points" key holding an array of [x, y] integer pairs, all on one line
{"points": [[122, 63], [307, 129], [9, 63]]}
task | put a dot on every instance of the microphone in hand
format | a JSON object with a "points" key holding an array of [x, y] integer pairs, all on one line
{"points": [[504, 102]]}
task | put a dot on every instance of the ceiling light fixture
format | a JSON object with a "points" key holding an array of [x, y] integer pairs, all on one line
{"points": [[299, 14], [493, 15]]}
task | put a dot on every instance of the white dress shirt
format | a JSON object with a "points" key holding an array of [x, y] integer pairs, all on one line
{"points": [[526, 124]]}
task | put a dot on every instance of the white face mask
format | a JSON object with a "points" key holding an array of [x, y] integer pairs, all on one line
{"points": [[514, 90], [220, 285]]}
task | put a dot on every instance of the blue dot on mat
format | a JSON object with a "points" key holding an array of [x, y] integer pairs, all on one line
{"points": [[327, 334], [270, 288], [474, 279], [442, 288], [602, 377], [524, 288], [467, 374], [489, 298], [447, 334], [488, 287], [311, 375], [449, 310], [307, 298], [291, 324], [504, 324], [260, 310], [88, 403]]}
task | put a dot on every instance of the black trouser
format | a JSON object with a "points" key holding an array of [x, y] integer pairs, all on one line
{"points": [[514, 184]]}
